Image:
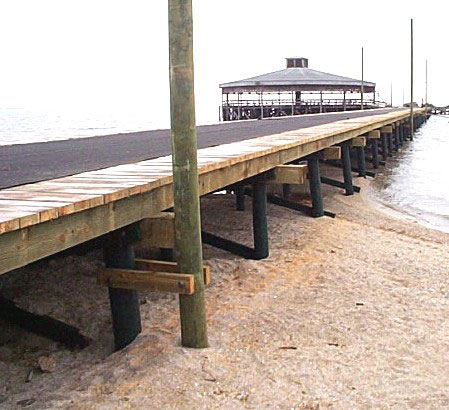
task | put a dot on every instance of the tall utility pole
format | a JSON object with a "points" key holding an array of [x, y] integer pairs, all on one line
{"points": [[391, 94], [361, 87], [411, 80], [189, 253], [426, 83]]}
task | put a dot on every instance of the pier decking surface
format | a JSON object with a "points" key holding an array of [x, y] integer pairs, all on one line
{"points": [[40, 219], [27, 163]]}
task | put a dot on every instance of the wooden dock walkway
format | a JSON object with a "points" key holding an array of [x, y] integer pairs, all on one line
{"points": [[44, 218], [26, 163]]}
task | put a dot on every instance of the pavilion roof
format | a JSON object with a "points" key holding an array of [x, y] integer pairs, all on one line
{"points": [[297, 79]]}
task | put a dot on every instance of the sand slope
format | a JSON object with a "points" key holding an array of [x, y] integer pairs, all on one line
{"points": [[346, 313]]}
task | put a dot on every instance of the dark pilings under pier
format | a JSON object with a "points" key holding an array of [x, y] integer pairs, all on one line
{"points": [[125, 308], [240, 197], [384, 146], [347, 171], [361, 163], [260, 225], [390, 144], [315, 186], [285, 190]]}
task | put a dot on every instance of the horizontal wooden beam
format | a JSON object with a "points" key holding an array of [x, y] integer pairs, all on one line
{"points": [[375, 134], [170, 267], [288, 174], [387, 129], [181, 283], [331, 153], [158, 231], [358, 142]]}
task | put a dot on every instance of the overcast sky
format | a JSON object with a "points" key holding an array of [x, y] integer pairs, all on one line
{"points": [[105, 54]]}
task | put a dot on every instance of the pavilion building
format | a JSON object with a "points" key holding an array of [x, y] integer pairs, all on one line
{"points": [[295, 90]]}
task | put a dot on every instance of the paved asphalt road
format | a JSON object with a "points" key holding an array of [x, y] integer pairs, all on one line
{"points": [[22, 164]]}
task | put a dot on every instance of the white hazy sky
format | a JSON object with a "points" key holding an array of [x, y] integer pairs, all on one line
{"points": [[108, 54]]}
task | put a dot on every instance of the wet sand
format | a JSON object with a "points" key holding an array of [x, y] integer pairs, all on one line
{"points": [[346, 313]]}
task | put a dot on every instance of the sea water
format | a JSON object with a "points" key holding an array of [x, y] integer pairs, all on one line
{"points": [[24, 126], [415, 181]]}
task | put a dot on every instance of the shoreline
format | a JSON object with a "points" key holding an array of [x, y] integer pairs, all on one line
{"points": [[345, 313]]}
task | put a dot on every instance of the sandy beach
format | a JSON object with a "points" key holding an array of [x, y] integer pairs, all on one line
{"points": [[346, 313]]}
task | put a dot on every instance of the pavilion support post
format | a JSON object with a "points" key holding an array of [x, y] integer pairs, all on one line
{"points": [[293, 103], [185, 173], [240, 197], [239, 109], [344, 100], [361, 163], [313, 167], [375, 153], [125, 306], [321, 101], [347, 168], [261, 105], [260, 224]]}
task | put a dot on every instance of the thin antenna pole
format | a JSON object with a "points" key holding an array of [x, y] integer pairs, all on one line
{"points": [[391, 94], [361, 87], [426, 83], [411, 79]]}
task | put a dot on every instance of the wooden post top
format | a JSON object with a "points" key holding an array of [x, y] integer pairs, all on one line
{"points": [[373, 134]]}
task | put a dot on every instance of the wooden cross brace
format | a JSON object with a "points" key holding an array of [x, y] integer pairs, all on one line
{"points": [[152, 275]]}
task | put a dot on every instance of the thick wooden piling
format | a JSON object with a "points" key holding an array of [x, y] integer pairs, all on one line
{"points": [[185, 173], [315, 186], [361, 163], [384, 145], [396, 138], [375, 153], [390, 144], [286, 190], [239, 192], [260, 225], [347, 171], [125, 307]]}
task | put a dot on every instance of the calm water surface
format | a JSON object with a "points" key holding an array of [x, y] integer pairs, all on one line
{"points": [[23, 126], [416, 181]]}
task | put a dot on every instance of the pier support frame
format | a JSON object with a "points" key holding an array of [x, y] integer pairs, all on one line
{"points": [[260, 229]]}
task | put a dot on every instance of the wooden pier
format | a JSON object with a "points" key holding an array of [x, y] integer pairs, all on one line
{"points": [[107, 205]]}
